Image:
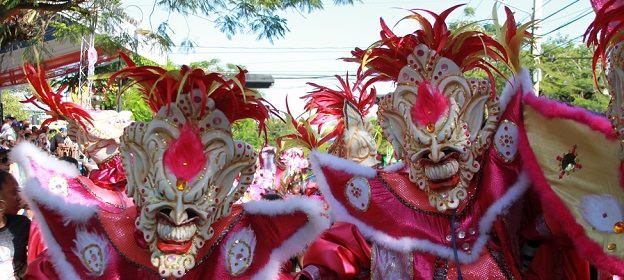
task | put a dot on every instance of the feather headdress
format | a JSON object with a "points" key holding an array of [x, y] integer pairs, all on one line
{"points": [[606, 31], [512, 38], [329, 103], [161, 88], [57, 108], [304, 136], [468, 49]]}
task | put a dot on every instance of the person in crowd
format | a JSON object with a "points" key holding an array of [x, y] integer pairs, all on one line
{"points": [[26, 125], [14, 229], [28, 136], [4, 144], [294, 188], [8, 121], [42, 140], [59, 138], [5, 163], [13, 135]]}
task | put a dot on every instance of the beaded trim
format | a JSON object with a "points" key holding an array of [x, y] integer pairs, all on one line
{"points": [[123, 207], [109, 158], [500, 262], [409, 205], [438, 273]]}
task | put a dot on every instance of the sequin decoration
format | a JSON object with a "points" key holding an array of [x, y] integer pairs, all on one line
{"points": [[505, 140], [568, 162], [58, 185], [92, 250], [430, 127], [618, 227], [240, 251], [181, 184], [390, 264], [358, 193]]}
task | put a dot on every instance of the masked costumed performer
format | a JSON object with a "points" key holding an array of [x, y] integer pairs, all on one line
{"points": [[180, 169]]}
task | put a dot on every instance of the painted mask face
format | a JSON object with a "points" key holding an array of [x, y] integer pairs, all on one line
{"points": [[615, 85], [100, 138], [436, 122], [181, 169], [357, 142], [267, 159]]}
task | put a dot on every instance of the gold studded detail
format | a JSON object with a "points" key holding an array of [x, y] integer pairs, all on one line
{"points": [[181, 184], [611, 246], [618, 227], [430, 127]]}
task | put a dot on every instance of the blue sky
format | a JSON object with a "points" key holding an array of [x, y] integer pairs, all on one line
{"points": [[310, 51]]}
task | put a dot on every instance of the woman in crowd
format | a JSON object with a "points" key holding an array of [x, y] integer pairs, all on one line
{"points": [[14, 229]]}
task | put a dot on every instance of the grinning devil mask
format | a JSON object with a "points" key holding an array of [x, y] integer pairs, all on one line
{"points": [[439, 124], [182, 165]]}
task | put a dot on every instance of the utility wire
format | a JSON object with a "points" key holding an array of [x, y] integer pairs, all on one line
{"points": [[565, 16], [558, 11], [568, 23]]}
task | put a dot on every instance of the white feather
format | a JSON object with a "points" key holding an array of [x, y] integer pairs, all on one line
{"points": [[601, 211], [521, 81]]}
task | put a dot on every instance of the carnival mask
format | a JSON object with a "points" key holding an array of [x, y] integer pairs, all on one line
{"points": [[356, 143], [439, 124], [100, 137], [181, 169]]}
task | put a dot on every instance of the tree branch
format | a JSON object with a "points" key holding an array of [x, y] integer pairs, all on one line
{"points": [[49, 6]]}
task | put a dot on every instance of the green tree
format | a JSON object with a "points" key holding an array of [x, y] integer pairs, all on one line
{"points": [[11, 105], [247, 130], [28, 20], [567, 74], [566, 68]]}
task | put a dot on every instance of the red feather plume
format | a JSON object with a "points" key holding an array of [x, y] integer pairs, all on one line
{"points": [[430, 105], [161, 88], [468, 49], [304, 135], [57, 108], [606, 31], [329, 103]]}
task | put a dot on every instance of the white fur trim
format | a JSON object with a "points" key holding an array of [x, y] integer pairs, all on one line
{"points": [[409, 244], [55, 253], [71, 212], [521, 80], [26, 154], [340, 164], [294, 245]]}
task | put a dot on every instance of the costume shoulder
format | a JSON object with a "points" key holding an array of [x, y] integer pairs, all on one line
{"points": [[570, 155], [262, 236], [387, 209], [67, 221]]}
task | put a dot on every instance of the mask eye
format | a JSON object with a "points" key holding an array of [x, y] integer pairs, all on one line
{"points": [[425, 155], [447, 150]]}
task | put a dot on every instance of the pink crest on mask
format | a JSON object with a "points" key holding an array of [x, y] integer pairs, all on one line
{"points": [[185, 158], [430, 105]]}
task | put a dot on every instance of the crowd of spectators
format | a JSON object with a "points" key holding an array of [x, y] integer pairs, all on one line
{"points": [[15, 218]]}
